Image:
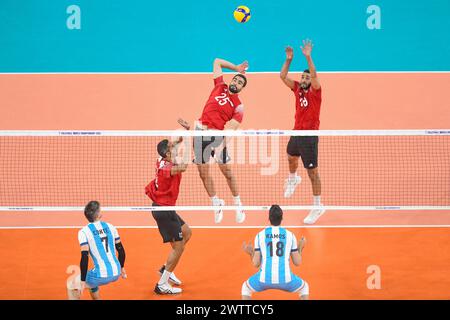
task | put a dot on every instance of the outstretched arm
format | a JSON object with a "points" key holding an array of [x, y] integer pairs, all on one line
{"points": [[285, 68], [307, 49], [220, 63]]}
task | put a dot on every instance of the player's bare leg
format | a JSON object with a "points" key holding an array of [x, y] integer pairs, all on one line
{"points": [[293, 163], [163, 286], [316, 184], [231, 179], [187, 233], [208, 183], [293, 180], [232, 184], [314, 176]]}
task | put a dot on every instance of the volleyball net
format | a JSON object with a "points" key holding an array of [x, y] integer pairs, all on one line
{"points": [[361, 170]]}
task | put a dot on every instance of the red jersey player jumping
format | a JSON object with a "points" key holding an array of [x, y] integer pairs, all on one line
{"points": [[223, 107], [163, 190], [308, 98]]}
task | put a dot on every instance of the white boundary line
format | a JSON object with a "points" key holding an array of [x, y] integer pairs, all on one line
{"points": [[246, 227], [210, 72]]}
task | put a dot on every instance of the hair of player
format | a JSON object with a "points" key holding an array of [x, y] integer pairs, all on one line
{"points": [[163, 148], [306, 71], [91, 210], [243, 77], [275, 215]]}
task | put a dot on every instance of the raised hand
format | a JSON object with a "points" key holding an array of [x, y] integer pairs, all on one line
{"points": [[241, 68], [289, 53], [184, 124], [307, 47]]}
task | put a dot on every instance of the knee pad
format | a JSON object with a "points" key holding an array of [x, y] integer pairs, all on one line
{"points": [[246, 291], [93, 290], [304, 291]]}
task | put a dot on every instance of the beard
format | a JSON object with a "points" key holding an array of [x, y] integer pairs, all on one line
{"points": [[305, 86], [233, 88]]}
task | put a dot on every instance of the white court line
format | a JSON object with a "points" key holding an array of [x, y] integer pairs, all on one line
{"points": [[246, 227]]}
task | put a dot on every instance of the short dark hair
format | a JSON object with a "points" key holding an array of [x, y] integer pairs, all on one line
{"points": [[243, 77], [306, 71], [91, 210], [163, 148], [275, 215]]}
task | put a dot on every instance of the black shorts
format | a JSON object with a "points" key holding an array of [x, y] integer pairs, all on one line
{"points": [[169, 224], [305, 147], [204, 149]]}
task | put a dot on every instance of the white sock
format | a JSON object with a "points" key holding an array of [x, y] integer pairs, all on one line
{"points": [[237, 200], [292, 175], [164, 278], [214, 199], [316, 200]]}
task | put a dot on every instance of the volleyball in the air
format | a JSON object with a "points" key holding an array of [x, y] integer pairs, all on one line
{"points": [[242, 14]]}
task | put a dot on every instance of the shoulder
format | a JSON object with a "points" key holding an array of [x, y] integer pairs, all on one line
{"points": [[84, 229], [112, 228], [260, 234], [219, 81], [82, 233]]}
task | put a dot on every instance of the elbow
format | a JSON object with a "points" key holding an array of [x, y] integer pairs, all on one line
{"points": [[282, 76]]}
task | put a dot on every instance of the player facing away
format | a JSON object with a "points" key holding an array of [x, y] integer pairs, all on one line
{"points": [[308, 98], [163, 190], [100, 240], [222, 108], [274, 246]]}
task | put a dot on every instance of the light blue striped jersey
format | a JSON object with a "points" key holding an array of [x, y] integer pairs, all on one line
{"points": [[101, 237], [275, 245]]}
